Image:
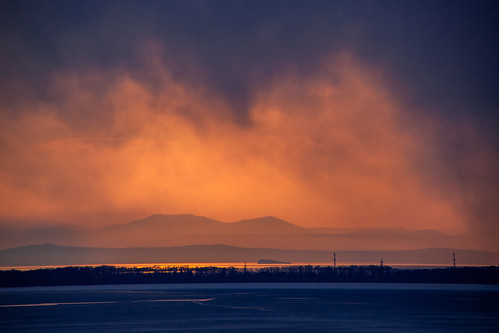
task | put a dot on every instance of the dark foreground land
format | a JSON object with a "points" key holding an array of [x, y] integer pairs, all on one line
{"points": [[250, 307], [179, 274]]}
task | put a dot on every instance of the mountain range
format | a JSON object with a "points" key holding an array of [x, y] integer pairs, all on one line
{"points": [[189, 238], [54, 255], [264, 232]]}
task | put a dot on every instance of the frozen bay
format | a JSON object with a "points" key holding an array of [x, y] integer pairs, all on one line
{"points": [[246, 307]]}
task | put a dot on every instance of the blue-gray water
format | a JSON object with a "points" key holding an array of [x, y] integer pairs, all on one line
{"points": [[279, 307]]}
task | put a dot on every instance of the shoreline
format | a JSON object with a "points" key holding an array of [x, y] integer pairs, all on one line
{"points": [[102, 275]]}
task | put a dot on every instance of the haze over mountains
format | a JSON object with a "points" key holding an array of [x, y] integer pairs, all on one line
{"points": [[189, 238], [264, 232]]}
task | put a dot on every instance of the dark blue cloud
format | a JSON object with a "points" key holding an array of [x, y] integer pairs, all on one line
{"points": [[445, 54]]}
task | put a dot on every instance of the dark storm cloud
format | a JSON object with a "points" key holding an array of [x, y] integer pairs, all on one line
{"points": [[446, 52]]}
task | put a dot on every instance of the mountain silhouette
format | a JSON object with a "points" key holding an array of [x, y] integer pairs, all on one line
{"points": [[188, 224], [50, 254], [266, 225], [264, 232]]}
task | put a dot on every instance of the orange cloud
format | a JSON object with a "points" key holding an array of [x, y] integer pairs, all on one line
{"points": [[334, 148]]}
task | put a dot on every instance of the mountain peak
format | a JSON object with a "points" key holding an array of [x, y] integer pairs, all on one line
{"points": [[267, 224]]}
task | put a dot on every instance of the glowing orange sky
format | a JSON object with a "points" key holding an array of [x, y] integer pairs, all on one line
{"points": [[333, 148]]}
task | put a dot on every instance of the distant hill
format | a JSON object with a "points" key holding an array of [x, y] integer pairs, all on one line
{"points": [[51, 255], [265, 225], [172, 224], [264, 232]]}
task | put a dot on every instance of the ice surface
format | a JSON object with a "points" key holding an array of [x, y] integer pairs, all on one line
{"points": [[280, 307]]}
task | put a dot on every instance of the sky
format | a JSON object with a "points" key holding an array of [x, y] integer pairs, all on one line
{"points": [[368, 114]]}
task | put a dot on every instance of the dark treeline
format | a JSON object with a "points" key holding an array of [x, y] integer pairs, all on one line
{"points": [[180, 274]]}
